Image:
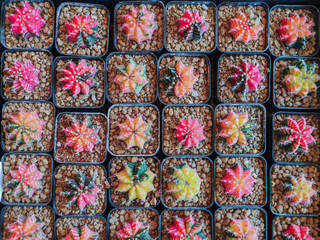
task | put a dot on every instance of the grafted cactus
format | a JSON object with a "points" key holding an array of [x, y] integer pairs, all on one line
{"points": [[192, 26], [241, 229], [189, 132], [297, 232], [134, 230], [82, 233]]}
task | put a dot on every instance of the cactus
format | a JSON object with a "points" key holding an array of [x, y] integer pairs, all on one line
{"points": [[238, 181], [245, 27], [296, 232], [189, 132], [295, 135], [298, 189], [135, 132], [241, 229], [131, 77], [26, 180], [81, 190], [186, 229], [300, 78], [26, 228], [179, 79], [81, 233], [139, 24], [134, 230], [245, 77], [23, 75], [184, 182], [79, 78], [294, 31], [25, 127], [236, 128], [136, 181], [82, 30], [192, 26], [26, 21]]}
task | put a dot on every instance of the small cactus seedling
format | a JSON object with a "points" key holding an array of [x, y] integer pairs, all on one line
{"points": [[189, 132], [186, 229], [300, 78], [26, 21], [245, 27], [297, 232], [192, 26], [183, 182], [23, 76], [134, 230], [236, 128], [136, 181], [245, 77], [295, 135], [139, 24], [25, 127], [131, 77], [81, 190], [81, 233], [79, 78], [26, 228], [179, 79], [294, 31], [26, 180], [298, 189], [238, 181], [241, 229], [82, 30], [135, 132]]}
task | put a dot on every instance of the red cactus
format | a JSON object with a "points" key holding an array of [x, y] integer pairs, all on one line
{"points": [[297, 232], [192, 26], [189, 132]]}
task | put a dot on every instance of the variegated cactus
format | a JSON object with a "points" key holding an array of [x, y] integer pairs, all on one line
{"points": [[26, 21], [241, 229], [134, 230], [139, 25], [192, 26], [189, 132], [82, 233], [136, 181], [297, 232]]}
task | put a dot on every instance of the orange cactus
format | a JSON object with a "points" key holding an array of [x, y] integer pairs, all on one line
{"points": [[241, 229]]}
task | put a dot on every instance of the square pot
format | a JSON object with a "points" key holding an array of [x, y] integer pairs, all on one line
{"points": [[280, 154], [175, 41], [119, 199], [225, 90], [41, 60], [45, 111], [45, 38], [277, 13], [64, 153], [148, 93], [201, 70], [98, 13], [117, 114], [44, 164]]}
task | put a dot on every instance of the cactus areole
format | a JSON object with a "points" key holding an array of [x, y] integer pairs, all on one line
{"points": [[189, 132], [134, 230], [82, 233], [241, 229], [26, 21], [192, 26], [297, 232]]}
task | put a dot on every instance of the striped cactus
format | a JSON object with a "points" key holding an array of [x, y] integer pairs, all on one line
{"points": [[297, 232], [81, 233], [241, 229], [192, 26], [134, 230]]}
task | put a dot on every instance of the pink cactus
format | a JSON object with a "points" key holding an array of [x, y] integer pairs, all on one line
{"points": [[134, 230], [241, 229], [297, 232], [81, 233], [189, 132], [192, 26]]}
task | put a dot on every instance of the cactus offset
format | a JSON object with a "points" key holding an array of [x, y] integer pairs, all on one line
{"points": [[238, 181], [241, 229], [192, 26], [186, 229], [81, 233], [82, 30], [300, 78], [135, 132], [136, 181], [79, 78], [26, 21], [295, 135], [81, 190], [131, 77], [23, 76], [139, 25], [189, 132], [134, 230], [296, 232], [245, 27], [183, 182], [25, 127], [26, 228], [245, 77], [298, 189], [294, 31]]}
